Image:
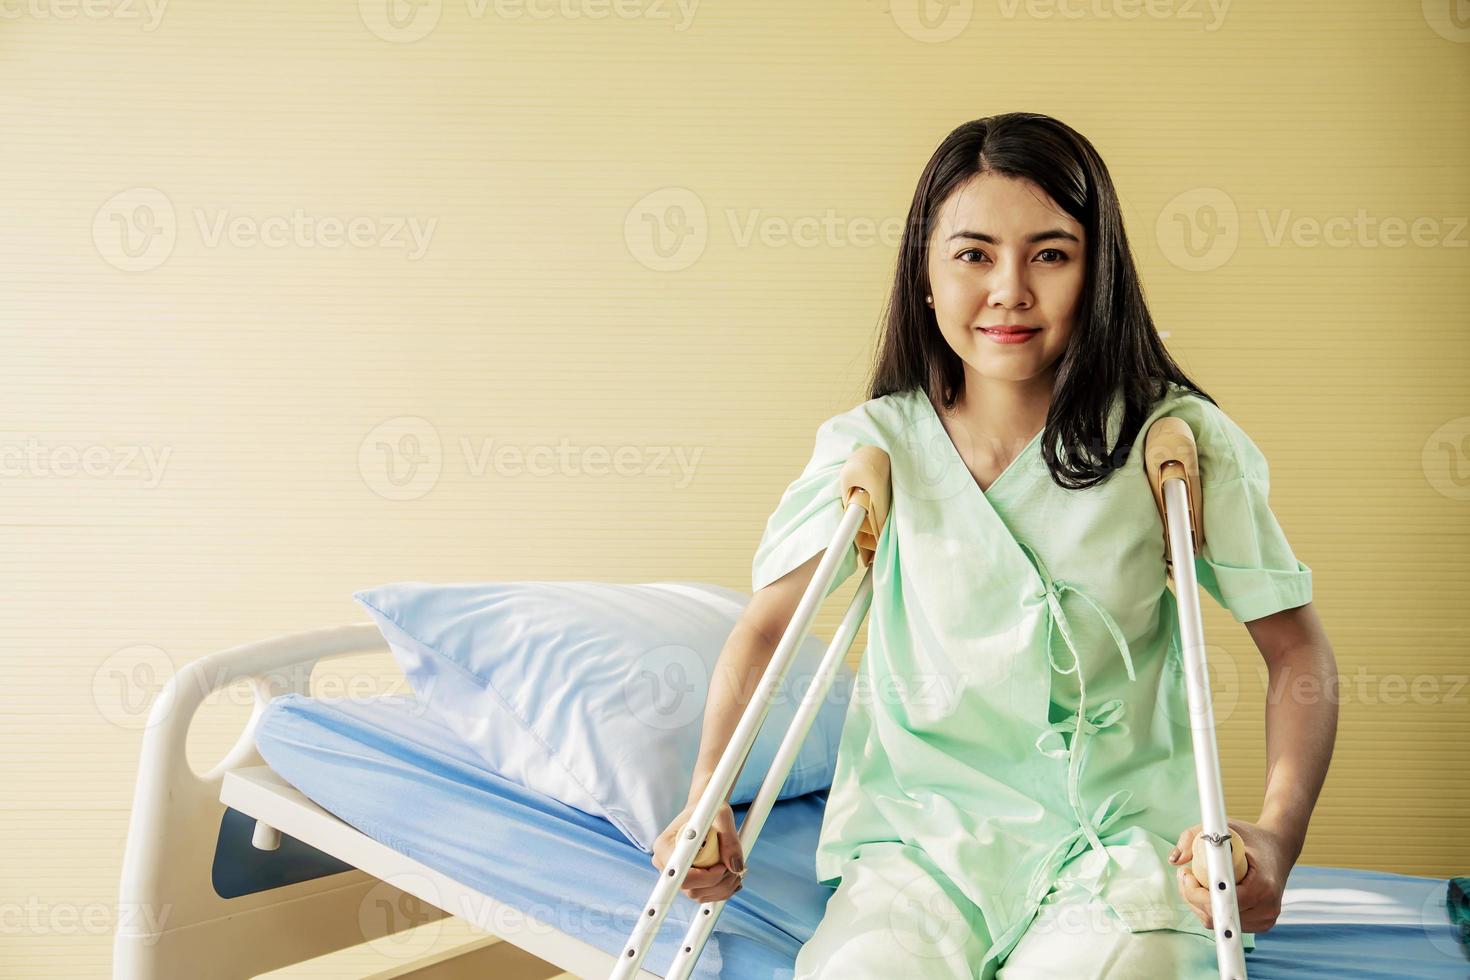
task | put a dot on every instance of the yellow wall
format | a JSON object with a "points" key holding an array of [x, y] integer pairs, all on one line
{"points": [[534, 154]]}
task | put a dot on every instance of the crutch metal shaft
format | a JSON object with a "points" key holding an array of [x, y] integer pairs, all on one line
{"points": [[1173, 468], [865, 491], [755, 818]]}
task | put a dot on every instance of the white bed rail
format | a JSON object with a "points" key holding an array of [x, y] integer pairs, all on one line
{"points": [[172, 921]]}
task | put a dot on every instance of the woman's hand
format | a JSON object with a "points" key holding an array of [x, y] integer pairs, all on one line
{"points": [[720, 880], [1258, 894]]}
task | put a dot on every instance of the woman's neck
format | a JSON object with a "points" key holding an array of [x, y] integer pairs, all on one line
{"points": [[1004, 413]]}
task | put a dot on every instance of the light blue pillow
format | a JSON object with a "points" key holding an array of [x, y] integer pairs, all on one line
{"points": [[593, 693]]}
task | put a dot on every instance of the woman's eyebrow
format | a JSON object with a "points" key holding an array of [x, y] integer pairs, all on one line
{"points": [[1040, 236]]}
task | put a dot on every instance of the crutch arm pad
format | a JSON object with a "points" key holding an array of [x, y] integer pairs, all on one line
{"points": [[866, 476], [1169, 451]]}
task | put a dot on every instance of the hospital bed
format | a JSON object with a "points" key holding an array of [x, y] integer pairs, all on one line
{"points": [[334, 822]]}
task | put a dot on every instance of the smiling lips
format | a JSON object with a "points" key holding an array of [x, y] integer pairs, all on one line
{"points": [[1010, 333]]}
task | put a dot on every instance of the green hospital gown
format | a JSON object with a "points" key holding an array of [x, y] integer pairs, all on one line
{"points": [[971, 732]]}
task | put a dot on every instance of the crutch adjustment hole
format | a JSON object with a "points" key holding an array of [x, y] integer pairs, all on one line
{"points": [[688, 949], [650, 911], [671, 872], [706, 910], [1222, 886], [1228, 933], [630, 952]]}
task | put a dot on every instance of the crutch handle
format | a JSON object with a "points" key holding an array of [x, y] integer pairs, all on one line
{"points": [[1200, 865], [708, 854], [1169, 452]]}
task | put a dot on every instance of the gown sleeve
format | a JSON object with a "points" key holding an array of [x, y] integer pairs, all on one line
{"points": [[810, 509], [1246, 564]]}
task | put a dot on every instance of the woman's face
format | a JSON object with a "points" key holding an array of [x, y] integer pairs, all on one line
{"points": [[1003, 254]]}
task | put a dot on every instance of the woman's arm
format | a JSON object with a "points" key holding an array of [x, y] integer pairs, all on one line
{"points": [[1301, 725], [1301, 718]]}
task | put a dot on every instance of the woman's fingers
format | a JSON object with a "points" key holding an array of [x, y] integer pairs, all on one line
{"points": [[722, 887], [1184, 846], [723, 891], [1197, 895], [705, 877]]}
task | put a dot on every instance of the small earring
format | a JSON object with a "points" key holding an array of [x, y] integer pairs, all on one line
{"points": [[929, 300]]}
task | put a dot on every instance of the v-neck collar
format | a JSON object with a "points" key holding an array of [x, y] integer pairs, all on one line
{"points": [[954, 452]]}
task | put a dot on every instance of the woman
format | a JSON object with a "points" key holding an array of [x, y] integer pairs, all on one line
{"points": [[1014, 793]]}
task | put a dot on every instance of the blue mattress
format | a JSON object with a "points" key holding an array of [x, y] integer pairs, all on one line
{"points": [[361, 759]]}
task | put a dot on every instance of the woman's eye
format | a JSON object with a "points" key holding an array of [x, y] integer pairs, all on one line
{"points": [[1060, 256]]}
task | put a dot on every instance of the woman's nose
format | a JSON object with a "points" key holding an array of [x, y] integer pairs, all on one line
{"points": [[1008, 286]]}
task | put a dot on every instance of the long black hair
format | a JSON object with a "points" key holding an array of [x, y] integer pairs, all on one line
{"points": [[1114, 346]]}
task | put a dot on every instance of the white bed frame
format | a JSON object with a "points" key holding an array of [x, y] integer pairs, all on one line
{"points": [[172, 923]]}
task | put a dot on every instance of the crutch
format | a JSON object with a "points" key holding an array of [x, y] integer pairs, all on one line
{"points": [[865, 493], [1173, 472]]}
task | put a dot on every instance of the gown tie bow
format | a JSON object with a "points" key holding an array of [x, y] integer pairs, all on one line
{"points": [[1050, 742]]}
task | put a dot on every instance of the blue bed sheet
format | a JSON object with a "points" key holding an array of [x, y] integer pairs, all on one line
{"points": [[389, 769]]}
